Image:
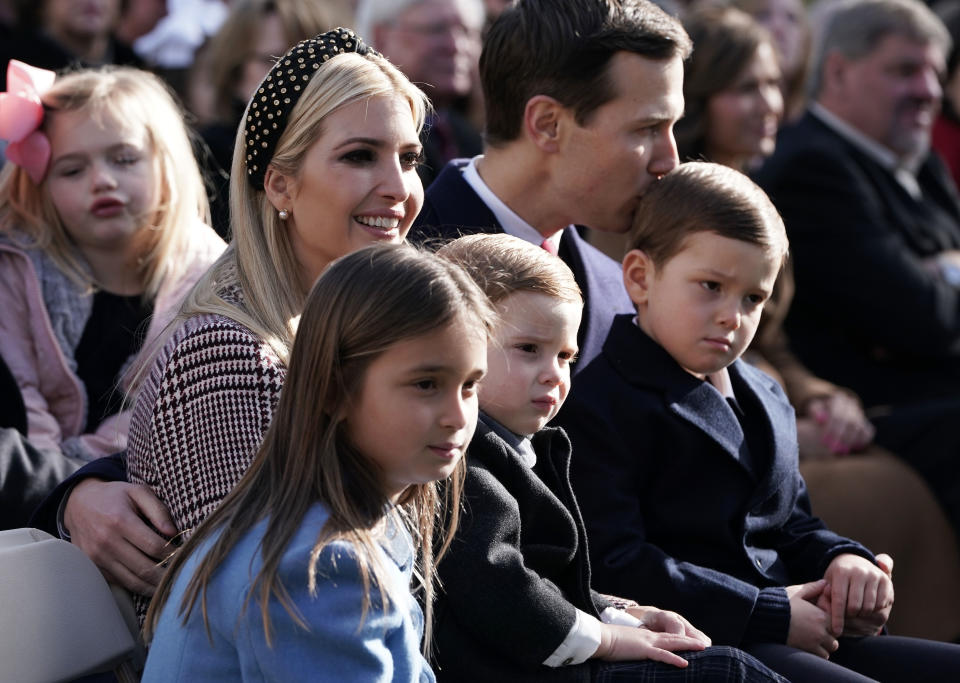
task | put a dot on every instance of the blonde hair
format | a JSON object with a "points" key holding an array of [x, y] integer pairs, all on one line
{"points": [[261, 260], [129, 97], [502, 264], [363, 303]]}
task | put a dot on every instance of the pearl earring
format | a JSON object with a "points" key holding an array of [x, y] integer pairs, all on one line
{"points": [[283, 214]]}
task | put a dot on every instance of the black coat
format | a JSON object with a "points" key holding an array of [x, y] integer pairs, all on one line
{"points": [[683, 510], [868, 313], [517, 569]]}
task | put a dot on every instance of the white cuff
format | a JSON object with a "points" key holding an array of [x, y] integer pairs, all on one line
{"points": [[579, 645], [612, 615]]}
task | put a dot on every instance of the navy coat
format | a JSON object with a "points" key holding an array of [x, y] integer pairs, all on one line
{"points": [[452, 209], [680, 512]]}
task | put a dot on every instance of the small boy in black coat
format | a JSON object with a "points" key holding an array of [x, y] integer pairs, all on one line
{"points": [[516, 603], [686, 462]]}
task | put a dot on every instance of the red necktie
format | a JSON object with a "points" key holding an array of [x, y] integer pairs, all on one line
{"points": [[549, 245]]}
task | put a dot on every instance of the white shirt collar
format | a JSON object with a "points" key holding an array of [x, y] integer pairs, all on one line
{"points": [[905, 171], [721, 382], [511, 223]]}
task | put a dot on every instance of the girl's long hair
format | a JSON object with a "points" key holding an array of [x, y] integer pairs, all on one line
{"points": [[130, 97], [261, 260], [362, 304]]}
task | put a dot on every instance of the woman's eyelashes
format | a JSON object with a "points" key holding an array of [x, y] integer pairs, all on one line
{"points": [[360, 155], [412, 159], [408, 160]]}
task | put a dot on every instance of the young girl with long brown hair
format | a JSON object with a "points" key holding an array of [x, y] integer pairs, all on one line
{"points": [[304, 571]]}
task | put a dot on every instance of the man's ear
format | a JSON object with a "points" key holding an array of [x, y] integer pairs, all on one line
{"points": [[278, 188], [835, 72], [541, 119], [638, 273]]}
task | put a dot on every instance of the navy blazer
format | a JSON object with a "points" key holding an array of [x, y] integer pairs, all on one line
{"points": [[452, 209], [518, 568], [680, 512], [869, 313]]}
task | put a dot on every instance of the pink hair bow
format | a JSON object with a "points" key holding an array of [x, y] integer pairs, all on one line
{"points": [[21, 113]]}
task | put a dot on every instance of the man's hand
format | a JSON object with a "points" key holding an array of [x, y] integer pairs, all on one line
{"points": [[809, 624], [859, 593], [105, 519]]}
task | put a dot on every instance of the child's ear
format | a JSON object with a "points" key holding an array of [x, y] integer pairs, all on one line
{"points": [[638, 272], [278, 188]]}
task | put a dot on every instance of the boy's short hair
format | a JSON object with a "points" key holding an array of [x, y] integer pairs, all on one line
{"points": [[704, 197], [562, 49], [502, 264]]}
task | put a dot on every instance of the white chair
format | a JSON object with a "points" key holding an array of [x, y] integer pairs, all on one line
{"points": [[59, 619]]}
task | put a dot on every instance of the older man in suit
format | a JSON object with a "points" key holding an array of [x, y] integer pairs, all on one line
{"points": [[581, 97], [874, 226]]}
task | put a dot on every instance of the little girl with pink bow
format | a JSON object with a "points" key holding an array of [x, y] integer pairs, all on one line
{"points": [[102, 232]]}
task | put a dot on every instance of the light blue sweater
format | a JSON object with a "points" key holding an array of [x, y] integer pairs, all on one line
{"points": [[335, 648]]}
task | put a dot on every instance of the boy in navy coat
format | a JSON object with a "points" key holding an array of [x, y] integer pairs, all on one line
{"points": [[686, 465], [517, 603]]}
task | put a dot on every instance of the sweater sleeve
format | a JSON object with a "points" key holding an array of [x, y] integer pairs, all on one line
{"points": [[199, 422]]}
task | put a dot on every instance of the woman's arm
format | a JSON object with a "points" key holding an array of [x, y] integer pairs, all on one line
{"points": [[202, 416]]}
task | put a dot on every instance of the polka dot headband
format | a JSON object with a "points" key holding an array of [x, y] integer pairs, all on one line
{"points": [[280, 90]]}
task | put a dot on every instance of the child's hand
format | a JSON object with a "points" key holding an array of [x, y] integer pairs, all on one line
{"points": [[842, 426], [809, 625], [628, 643], [860, 594], [662, 621]]}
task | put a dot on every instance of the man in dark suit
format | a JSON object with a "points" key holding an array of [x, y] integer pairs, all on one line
{"points": [[581, 97], [874, 226]]}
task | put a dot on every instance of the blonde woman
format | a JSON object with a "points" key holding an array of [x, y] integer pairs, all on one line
{"points": [[325, 163]]}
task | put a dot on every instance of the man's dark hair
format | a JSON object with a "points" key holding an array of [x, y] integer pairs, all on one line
{"points": [[562, 48]]}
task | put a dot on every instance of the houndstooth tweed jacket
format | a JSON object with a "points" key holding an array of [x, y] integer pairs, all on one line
{"points": [[202, 414]]}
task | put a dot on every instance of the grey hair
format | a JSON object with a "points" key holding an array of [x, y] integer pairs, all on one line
{"points": [[854, 28], [374, 13]]}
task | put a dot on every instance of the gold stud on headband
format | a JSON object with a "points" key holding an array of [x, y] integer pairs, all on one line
{"points": [[267, 112]]}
